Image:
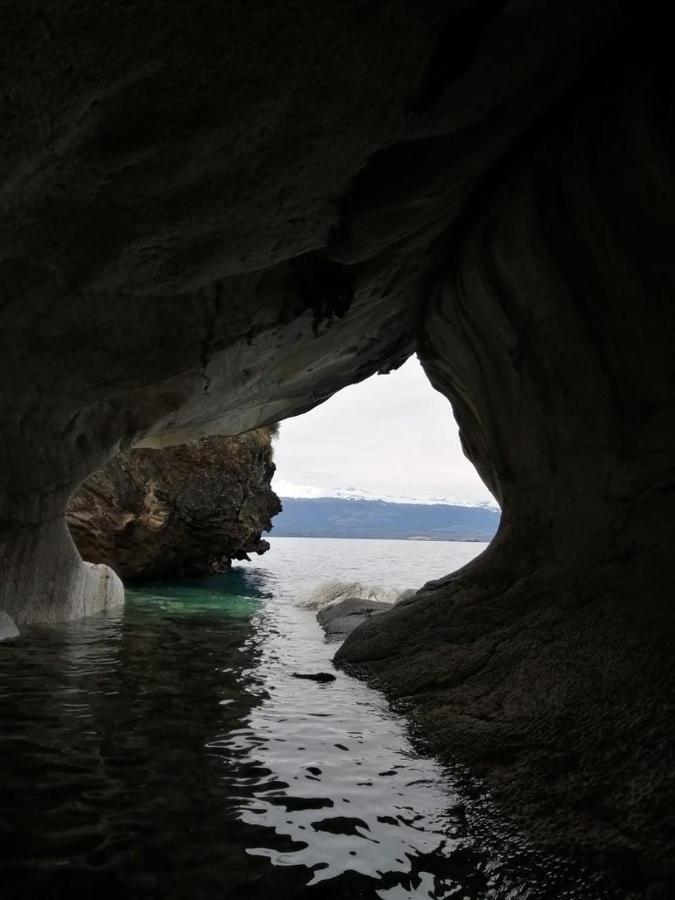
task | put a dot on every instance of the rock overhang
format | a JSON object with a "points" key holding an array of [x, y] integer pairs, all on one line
{"points": [[222, 225]]}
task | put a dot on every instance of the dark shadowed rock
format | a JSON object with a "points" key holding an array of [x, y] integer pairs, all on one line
{"points": [[319, 677], [216, 217], [223, 216], [187, 510], [547, 663]]}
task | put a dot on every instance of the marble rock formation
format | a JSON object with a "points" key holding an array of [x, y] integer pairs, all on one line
{"points": [[217, 215], [185, 510]]}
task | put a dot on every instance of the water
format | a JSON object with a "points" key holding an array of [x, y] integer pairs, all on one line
{"points": [[166, 750]]}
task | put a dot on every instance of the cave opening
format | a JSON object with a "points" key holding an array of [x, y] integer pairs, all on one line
{"points": [[391, 437], [220, 227]]}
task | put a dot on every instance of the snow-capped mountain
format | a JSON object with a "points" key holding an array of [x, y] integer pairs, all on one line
{"points": [[354, 513], [306, 492]]}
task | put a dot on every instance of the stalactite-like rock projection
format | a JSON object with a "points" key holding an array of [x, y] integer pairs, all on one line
{"points": [[216, 217]]}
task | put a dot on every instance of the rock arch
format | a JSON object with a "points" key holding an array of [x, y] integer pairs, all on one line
{"points": [[219, 225]]}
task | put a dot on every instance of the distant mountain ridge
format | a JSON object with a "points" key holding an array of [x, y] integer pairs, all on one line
{"points": [[293, 491], [356, 517]]}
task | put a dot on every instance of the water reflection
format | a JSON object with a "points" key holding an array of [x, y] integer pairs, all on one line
{"points": [[332, 770], [167, 750], [346, 788], [106, 788]]}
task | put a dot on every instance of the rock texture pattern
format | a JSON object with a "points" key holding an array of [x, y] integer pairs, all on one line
{"points": [[187, 510], [546, 662], [227, 212], [220, 218]]}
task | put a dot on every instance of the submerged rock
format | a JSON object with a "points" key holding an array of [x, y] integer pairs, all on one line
{"points": [[320, 677], [187, 510], [342, 618], [329, 593]]}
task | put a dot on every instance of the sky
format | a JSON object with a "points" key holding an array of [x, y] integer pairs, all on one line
{"points": [[390, 435]]}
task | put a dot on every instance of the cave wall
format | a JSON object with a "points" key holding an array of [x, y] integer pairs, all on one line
{"points": [[539, 327], [220, 215], [547, 663]]}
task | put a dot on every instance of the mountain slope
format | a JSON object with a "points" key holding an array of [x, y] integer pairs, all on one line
{"points": [[357, 518]]}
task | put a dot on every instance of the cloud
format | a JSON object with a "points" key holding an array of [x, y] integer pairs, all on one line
{"points": [[392, 434]]}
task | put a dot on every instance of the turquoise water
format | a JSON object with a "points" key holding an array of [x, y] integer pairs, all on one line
{"points": [[166, 750]]}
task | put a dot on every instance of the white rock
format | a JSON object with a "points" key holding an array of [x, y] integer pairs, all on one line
{"points": [[328, 593], [8, 629]]}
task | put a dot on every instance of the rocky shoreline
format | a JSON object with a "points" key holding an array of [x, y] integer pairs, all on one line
{"points": [[461, 689], [492, 682]]}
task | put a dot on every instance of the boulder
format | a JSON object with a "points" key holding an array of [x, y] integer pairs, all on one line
{"points": [[180, 511], [342, 618]]}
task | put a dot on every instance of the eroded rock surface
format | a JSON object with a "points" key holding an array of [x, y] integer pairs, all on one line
{"points": [[186, 510], [227, 212], [545, 664]]}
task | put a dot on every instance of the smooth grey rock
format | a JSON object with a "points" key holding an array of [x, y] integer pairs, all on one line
{"points": [[349, 607], [57, 586], [342, 618], [8, 629]]}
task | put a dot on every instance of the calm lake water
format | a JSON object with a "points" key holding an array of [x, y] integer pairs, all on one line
{"points": [[166, 750]]}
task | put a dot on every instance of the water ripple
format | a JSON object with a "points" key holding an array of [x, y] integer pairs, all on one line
{"points": [[167, 750]]}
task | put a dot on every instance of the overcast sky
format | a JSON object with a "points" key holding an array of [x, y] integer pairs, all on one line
{"points": [[392, 434]]}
